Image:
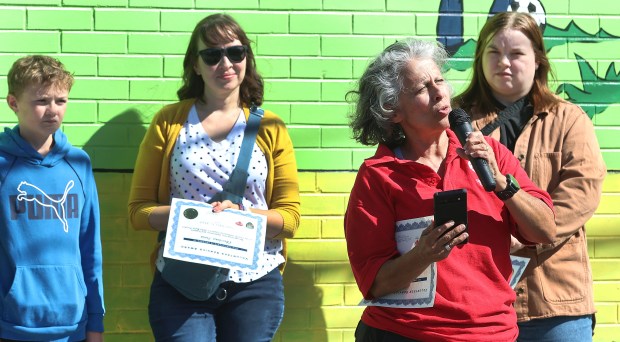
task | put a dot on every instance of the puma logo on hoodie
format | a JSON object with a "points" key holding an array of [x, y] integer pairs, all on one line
{"points": [[39, 206]]}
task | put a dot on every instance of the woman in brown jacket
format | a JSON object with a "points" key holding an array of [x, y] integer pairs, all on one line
{"points": [[508, 98]]}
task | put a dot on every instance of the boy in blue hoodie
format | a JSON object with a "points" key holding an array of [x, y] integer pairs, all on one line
{"points": [[50, 250]]}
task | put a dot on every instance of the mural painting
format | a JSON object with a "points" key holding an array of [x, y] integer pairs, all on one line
{"points": [[594, 94]]}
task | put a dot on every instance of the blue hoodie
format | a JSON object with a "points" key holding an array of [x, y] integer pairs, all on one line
{"points": [[50, 247]]}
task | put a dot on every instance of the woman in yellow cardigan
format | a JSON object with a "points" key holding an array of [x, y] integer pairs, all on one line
{"points": [[188, 152]]}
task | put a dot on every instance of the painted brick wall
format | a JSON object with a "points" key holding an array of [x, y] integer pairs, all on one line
{"points": [[127, 55], [321, 295]]}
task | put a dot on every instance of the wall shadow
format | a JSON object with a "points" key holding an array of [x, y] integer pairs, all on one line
{"points": [[114, 147], [303, 318], [126, 252]]}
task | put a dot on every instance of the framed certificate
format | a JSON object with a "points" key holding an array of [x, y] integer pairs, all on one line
{"points": [[421, 291], [232, 239]]}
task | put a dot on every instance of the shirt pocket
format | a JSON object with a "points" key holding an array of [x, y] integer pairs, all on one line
{"points": [[43, 296]]}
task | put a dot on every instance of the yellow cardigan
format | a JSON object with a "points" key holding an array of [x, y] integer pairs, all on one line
{"points": [[150, 186]]}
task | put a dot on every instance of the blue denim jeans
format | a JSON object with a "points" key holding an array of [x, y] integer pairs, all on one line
{"points": [[557, 329], [243, 312]]}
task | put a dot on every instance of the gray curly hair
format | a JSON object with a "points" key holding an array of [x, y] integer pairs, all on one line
{"points": [[379, 89]]}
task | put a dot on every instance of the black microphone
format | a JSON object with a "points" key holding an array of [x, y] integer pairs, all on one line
{"points": [[461, 125]]}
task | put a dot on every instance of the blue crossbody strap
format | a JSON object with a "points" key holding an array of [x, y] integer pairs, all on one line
{"points": [[234, 189], [249, 137]]}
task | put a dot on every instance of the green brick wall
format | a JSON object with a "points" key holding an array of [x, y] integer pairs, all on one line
{"points": [[321, 295], [126, 56], [310, 53]]}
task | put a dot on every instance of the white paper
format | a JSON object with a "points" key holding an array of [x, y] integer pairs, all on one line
{"points": [[421, 291], [518, 266], [231, 239]]}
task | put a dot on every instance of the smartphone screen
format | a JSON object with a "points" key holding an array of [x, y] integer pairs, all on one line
{"points": [[451, 205]]}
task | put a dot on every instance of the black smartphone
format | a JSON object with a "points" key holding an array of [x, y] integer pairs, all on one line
{"points": [[451, 205]]}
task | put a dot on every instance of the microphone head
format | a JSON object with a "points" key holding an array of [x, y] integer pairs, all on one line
{"points": [[457, 117]]}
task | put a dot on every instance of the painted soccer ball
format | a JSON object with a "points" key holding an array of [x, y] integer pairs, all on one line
{"points": [[533, 7]]}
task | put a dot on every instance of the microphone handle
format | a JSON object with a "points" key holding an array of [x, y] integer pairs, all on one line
{"points": [[481, 166]]}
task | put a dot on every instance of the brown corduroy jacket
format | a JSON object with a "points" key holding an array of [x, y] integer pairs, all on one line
{"points": [[559, 151]]}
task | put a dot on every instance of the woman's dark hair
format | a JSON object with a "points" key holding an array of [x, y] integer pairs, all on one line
{"points": [[214, 30], [478, 93], [379, 89]]}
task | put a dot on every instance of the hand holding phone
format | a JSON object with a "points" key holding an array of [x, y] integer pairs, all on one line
{"points": [[451, 205]]}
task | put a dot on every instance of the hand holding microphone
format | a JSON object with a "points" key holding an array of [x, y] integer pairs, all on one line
{"points": [[461, 125]]}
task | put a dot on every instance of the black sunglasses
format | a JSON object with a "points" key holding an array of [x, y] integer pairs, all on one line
{"points": [[212, 56]]}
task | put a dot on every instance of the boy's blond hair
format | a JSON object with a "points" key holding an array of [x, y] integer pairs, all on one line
{"points": [[38, 70]]}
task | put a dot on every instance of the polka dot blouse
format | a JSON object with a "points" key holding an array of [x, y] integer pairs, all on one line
{"points": [[200, 167]]}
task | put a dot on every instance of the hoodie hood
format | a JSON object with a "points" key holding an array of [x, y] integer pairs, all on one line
{"points": [[11, 143]]}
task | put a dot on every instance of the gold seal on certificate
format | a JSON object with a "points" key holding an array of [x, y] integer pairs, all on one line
{"points": [[232, 239]]}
